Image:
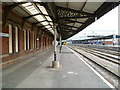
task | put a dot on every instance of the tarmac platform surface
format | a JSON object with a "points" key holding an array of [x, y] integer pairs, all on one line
{"points": [[35, 72]]}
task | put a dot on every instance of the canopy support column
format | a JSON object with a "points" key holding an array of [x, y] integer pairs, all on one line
{"points": [[55, 63], [60, 43], [55, 48]]}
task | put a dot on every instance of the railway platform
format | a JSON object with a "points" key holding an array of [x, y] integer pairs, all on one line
{"points": [[29, 49], [35, 72]]}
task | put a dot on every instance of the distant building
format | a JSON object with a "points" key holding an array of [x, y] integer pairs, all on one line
{"points": [[111, 40]]}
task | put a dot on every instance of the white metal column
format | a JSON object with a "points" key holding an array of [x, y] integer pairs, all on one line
{"points": [[55, 63], [60, 43], [55, 48]]}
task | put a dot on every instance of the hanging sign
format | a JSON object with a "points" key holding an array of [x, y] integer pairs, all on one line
{"points": [[4, 35]]}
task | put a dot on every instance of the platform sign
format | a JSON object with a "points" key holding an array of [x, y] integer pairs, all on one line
{"points": [[4, 35]]}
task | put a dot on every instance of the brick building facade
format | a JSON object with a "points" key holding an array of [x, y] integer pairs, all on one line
{"points": [[18, 41]]}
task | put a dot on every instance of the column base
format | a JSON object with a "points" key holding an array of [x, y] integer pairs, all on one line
{"points": [[55, 64]]}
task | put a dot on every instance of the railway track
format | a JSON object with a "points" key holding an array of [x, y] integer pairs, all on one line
{"points": [[117, 53], [107, 68], [108, 62], [101, 54]]}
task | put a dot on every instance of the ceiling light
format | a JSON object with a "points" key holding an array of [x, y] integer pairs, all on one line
{"points": [[40, 18], [48, 18], [44, 23], [34, 12], [43, 10], [51, 23], [47, 26], [30, 7], [26, 4]]}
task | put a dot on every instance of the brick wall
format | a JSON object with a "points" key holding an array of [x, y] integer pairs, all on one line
{"points": [[5, 42], [31, 40], [21, 40], [40, 44], [13, 39]]}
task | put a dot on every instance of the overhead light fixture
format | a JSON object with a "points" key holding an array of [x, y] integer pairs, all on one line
{"points": [[51, 23], [47, 26], [44, 23], [43, 19], [30, 8], [48, 18], [34, 12], [43, 10], [40, 18], [74, 28], [26, 4]]}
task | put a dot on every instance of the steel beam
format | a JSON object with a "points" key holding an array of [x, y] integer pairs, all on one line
{"points": [[24, 19], [68, 26], [36, 15], [14, 5], [42, 21], [66, 29], [77, 17], [72, 21]]}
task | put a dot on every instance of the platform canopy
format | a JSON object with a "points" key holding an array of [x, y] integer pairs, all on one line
{"points": [[71, 17]]}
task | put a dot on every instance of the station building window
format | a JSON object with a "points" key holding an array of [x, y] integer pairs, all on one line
{"points": [[10, 39], [25, 40], [16, 39]]}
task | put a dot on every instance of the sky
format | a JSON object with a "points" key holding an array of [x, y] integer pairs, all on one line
{"points": [[106, 25]]}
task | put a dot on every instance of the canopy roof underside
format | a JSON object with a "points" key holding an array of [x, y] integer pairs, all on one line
{"points": [[71, 17]]}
